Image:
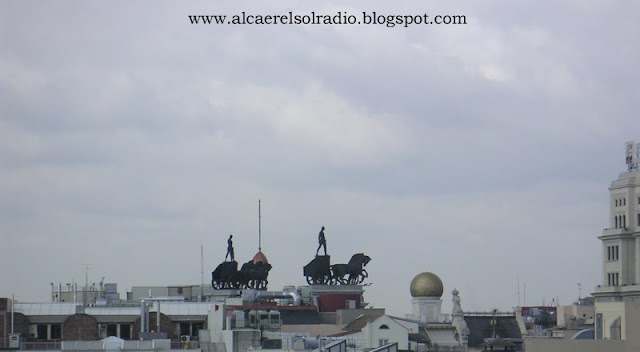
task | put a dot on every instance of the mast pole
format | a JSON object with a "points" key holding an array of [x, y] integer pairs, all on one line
{"points": [[259, 227]]}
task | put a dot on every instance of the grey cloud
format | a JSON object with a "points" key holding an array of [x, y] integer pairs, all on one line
{"points": [[125, 129]]}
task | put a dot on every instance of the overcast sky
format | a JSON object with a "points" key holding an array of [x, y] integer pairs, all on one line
{"points": [[480, 152]]}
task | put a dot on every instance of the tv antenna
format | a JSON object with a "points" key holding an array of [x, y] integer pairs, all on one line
{"points": [[579, 292]]}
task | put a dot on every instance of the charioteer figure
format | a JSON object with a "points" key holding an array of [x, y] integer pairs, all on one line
{"points": [[229, 248], [322, 242]]}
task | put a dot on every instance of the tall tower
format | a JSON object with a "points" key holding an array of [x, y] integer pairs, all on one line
{"points": [[621, 240]]}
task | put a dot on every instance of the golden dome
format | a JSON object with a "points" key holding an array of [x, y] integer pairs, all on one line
{"points": [[426, 285]]}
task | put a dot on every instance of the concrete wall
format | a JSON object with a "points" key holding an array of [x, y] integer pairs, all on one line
{"points": [[142, 292], [314, 330], [427, 309], [166, 326], [396, 333], [580, 312], [242, 340], [611, 311], [549, 345], [630, 314]]}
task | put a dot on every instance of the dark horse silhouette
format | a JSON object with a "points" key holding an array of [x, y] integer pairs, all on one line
{"points": [[223, 276], [251, 275], [255, 275], [351, 273]]}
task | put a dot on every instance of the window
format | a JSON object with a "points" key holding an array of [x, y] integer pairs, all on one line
{"points": [[615, 218], [609, 279], [56, 331], [125, 331], [624, 221], [196, 327], [638, 219], [185, 329], [383, 342], [274, 319], [112, 329], [614, 279], [41, 331], [613, 252], [384, 327], [616, 202]]}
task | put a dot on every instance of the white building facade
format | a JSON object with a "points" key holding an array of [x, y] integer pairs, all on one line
{"points": [[620, 251]]}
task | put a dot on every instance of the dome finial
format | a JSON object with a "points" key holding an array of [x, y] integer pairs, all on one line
{"points": [[426, 284]]}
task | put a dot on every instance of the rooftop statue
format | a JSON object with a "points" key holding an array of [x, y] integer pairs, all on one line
{"points": [[251, 275], [319, 271], [229, 249], [322, 242]]}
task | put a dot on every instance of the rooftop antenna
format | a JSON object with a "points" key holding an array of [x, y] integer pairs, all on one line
{"points": [[86, 283], [259, 227], [201, 272], [518, 290], [579, 292]]}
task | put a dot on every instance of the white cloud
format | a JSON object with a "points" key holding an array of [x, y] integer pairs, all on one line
{"points": [[313, 117]]}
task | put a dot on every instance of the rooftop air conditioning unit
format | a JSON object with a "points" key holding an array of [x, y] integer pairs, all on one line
{"points": [[185, 338]]}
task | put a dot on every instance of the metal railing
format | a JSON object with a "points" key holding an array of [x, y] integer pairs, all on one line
{"points": [[191, 345], [31, 345], [57, 345]]}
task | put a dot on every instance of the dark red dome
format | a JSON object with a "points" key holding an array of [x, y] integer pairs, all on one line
{"points": [[260, 257]]}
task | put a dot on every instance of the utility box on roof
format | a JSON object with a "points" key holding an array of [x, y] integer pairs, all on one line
{"points": [[14, 341]]}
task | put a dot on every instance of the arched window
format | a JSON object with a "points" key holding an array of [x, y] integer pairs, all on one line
{"points": [[384, 327]]}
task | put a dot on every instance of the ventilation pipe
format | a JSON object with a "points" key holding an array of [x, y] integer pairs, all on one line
{"points": [[143, 317], [262, 295]]}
